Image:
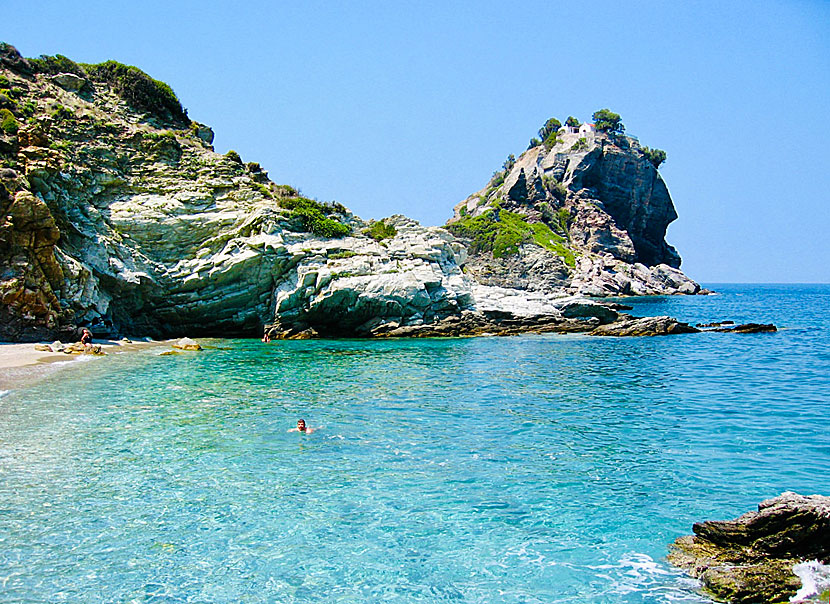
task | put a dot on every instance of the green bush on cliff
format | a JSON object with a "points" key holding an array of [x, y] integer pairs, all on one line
{"points": [[139, 90], [502, 232], [572, 122], [8, 123], [233, 156], [4, 81], [655, 156], [380, 230], [551, 126], [606, 120], [579, 145], [55, 65], [312, 215]]}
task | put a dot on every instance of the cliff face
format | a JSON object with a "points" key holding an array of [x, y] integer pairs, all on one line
{"points": [[587, 215], [118, 215]]}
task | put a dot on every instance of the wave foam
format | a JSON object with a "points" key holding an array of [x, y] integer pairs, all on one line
{"points": [[815, 578]]}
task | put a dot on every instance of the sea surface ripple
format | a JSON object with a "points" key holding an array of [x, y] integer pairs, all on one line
{"points": [[520, 470]]}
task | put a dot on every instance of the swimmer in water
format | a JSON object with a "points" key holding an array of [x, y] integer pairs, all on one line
{"points": [[301, 427]]}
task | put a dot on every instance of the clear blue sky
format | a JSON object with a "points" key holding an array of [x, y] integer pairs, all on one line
{"points": [[393, 107]]}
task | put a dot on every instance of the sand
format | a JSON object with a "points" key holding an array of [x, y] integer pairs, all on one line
{"points": [[21, 364]]}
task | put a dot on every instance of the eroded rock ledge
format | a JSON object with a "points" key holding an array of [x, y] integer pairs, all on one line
{"points": [[751, 559]]}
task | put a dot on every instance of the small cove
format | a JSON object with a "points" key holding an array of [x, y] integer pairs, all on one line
{"points": [[524, 469]]}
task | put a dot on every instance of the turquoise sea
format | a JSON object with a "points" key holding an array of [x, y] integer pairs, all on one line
{"points": [[529, 469]]}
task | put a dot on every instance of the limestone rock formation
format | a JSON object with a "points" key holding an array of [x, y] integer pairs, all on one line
{"points": [[586, 214], [751, 559], [117, 215]]}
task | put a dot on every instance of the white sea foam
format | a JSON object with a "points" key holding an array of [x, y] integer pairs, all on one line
{"points": [[4, 393], [815, 578], [77, 359]]}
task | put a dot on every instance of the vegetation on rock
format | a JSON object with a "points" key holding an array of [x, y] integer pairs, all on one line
{"points": [[233, 156], [139, 90], [655, 156], [8, 123], [502, 232], [313, 216], [606, 120], [381, 230]]}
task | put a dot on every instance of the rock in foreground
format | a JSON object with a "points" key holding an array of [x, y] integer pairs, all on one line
{"points": [[751, 559]]}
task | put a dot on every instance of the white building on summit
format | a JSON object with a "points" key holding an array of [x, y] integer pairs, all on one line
{"points": [[584, 129]]}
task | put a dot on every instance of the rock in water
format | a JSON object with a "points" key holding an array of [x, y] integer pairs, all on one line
{"points": [[751, 559], [187, 344], [646, 326], [586, 213]]}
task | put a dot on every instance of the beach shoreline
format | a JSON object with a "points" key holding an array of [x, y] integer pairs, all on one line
{"points": [[21, 364]]}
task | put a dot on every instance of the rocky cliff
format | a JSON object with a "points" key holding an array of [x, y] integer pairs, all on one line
{"points": [[117, 214], [586, 212]]}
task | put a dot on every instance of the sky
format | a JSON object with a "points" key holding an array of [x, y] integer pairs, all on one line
{"points": [[408, 107]]}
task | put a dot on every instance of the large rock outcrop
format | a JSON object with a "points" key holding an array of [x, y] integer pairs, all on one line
{"points": [[118, 215], [586, 214], [755, 558]]}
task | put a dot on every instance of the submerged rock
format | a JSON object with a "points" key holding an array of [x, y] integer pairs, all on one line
{"points": [[751, 559]]}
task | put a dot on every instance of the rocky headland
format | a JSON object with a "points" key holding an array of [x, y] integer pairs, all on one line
{"points": [[760, 557], [118, 215]]}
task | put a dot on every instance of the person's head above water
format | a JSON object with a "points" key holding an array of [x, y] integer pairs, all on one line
{"points": [[301, 425]]}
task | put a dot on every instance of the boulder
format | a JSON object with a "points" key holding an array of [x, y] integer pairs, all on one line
{"points": [[43, 348], [187, 344], [69, 81], [645, 326], [752, 558]]}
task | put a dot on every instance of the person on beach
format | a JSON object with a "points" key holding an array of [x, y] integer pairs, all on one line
{"points": [[86, 337], [266, 338], [301, 427]]}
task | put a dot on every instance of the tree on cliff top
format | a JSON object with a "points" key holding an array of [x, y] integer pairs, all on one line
{"points": [[551, 126], [606, 120], [572, 122]]}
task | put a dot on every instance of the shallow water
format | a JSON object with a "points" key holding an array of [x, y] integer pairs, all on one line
{"points": [[524, 469]]}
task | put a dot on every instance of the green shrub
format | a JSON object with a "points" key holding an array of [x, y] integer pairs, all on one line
{"points": [[606, 120], [139, 90], [534, 142], [509, 163], [62, 113], [263, 189], [4, 81], [29, 108], [312, 215], [380, 230], [8, 123], [502, 232], [551, 127], [286, 191], [655, 156], [572, 122], [55, 65], [233, 156], [497, 180], [340, 255], [579, 145], [551, 141]]}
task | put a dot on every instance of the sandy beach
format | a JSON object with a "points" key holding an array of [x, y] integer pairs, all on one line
{"points": [[21, 363]]}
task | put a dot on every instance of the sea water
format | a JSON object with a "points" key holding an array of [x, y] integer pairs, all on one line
{"points": [[553, 468]]}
